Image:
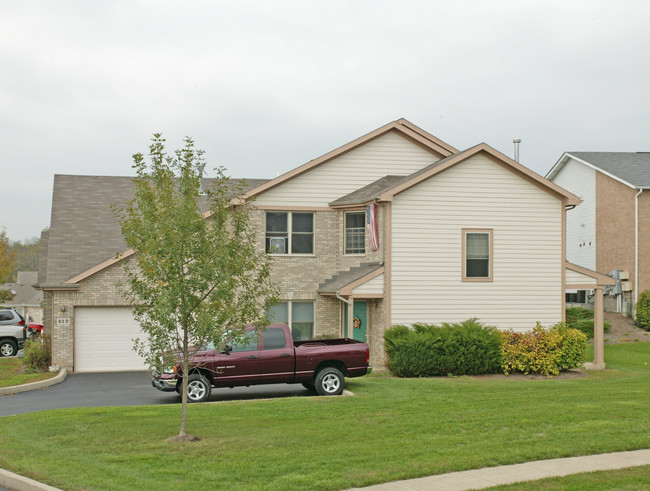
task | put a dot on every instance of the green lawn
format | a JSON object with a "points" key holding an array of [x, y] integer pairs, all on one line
{"points": [[632, 479], [393, 429], [10, 373]]}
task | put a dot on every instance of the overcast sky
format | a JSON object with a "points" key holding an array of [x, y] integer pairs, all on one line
{"points": [[266, 86]]}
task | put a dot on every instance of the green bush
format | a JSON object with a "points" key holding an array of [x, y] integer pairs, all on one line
{"points": [[37, 354], [587, 326], [543, 351], [466, 348], [574, 314], [643, 311]]}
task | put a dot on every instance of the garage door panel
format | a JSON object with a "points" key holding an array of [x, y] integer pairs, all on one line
{"points": [[104, 340]]}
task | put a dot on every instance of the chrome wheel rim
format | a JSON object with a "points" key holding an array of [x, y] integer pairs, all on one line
{"points": [[331, 383], [6, 349], [196, 390]]}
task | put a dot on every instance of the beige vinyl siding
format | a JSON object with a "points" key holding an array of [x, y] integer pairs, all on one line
{"points": [[581, 221], [575, 278], [374, 286], [390, 154], [427, 239]]}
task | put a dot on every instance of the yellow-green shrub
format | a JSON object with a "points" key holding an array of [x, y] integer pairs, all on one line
{"points": [[543, 351]]}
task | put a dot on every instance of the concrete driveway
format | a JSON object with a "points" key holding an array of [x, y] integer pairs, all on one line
{"points": [[125, 389]]}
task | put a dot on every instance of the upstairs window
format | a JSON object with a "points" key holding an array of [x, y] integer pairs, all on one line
{"points": [[477, 255], [289, 232], [355, 232]]}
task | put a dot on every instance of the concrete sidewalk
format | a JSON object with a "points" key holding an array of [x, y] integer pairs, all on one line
{"points": [[529, 471]]}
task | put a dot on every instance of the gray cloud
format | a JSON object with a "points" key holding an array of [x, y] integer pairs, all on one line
{"points": [[266, 86]]}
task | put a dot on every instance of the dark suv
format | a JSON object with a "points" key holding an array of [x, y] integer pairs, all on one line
{"points": [[13, 332]]}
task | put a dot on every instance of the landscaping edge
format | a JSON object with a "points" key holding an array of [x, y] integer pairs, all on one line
{"points": [[15, 389]]}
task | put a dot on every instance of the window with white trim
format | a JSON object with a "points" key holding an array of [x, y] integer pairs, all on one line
{"points": [[355, 232], [299, 316], [477, 252], [289, 232]]}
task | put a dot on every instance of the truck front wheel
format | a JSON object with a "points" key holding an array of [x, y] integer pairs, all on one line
{"points": [[198, 388], [330, 382]]}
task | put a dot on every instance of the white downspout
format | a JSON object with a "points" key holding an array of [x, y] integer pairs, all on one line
{"points": [[342, 299], [636, 252]]}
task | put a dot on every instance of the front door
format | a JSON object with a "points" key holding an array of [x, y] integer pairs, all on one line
{"points": [[359, 322]]}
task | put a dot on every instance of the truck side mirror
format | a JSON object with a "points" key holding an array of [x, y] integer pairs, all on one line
{"points": [[226, 349]]}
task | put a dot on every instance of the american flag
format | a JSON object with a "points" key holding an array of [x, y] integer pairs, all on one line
{"points": [[371, 225]]}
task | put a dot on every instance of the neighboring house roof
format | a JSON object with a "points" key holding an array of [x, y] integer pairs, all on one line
{"points": [[402, 126], [631, 168], [385, 188], [83, 230], [345, 278], [23, 292]]}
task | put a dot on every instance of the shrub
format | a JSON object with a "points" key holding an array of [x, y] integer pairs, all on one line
{"points": [[587, 326], [466, 348], [643, 311], [37, 354], [543, 351], [574, 314]]}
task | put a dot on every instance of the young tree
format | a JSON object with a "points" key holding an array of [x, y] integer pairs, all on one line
{"points": [[196, 277]]}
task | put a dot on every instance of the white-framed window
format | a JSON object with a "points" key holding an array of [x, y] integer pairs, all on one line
{"points": [[289, 232], [477, 254], [299, 316], [355, 232]]}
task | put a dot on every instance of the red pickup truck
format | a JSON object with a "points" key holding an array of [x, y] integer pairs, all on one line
{"points": [[270, 356]]}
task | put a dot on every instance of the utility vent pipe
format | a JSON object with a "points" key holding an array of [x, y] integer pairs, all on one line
{"points": [[516, 141]]}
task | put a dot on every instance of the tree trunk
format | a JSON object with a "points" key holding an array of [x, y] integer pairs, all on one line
{"points": [[185, 367]]}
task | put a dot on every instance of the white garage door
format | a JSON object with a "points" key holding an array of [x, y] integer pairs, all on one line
{"points": [[104, 340]]}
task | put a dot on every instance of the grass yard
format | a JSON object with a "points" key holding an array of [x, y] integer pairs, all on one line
{"points": [[393, 429], [632, 479], [10, 373]]}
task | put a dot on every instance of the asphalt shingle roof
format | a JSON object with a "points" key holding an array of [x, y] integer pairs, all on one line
{"points": [[24, 294], [83, 231], [344, 278], [632, 167]]}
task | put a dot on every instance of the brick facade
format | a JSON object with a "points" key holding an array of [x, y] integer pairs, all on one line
{"points": [[297, 276], [98, 290], [300, 276], [615, 226]]}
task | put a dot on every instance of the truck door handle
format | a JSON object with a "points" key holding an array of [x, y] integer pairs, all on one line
{"points": [[284, 355], [252, 357]]}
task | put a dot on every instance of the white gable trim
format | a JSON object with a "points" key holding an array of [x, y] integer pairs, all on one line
{"points": [[565, 158]]}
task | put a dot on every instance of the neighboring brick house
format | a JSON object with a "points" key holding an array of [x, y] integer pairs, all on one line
{"points": [[610, 230], [457, 233]]}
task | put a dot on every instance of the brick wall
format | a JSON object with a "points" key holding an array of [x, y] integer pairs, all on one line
{"points": [[302, 275], [98, 290], [615, 227]]}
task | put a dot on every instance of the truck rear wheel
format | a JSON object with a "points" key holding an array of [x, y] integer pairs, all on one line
{"points": [[198, 388], [8, 347], [330, 382]]}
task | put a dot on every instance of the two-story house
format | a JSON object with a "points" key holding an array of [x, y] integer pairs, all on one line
{"points": [[395, 227], [610, 230]]}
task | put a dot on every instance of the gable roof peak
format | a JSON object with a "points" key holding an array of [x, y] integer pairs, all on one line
{"points": [[403, 126]]}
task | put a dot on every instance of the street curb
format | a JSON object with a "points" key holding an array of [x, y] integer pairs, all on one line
{"points": [[20, 483], [16, 389]]}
